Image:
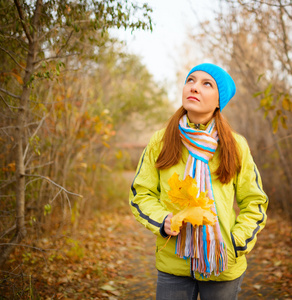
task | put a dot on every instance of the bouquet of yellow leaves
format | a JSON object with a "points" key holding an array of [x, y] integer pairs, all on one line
{"points": [[196, 209]]}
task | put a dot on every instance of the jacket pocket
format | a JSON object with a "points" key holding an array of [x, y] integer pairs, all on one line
{"points": [[234, 245]]}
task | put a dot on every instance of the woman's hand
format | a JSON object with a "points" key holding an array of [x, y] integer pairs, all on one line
{"points": [[167, 224]]}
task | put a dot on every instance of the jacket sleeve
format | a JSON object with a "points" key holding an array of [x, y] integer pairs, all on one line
{"points": [[252, 202], [145, 191]]}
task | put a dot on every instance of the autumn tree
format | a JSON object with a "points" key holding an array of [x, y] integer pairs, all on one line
{"points": [[87, 109], [36, 37]]}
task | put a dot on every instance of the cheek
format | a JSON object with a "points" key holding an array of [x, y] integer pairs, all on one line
{"points": [[215, 99], [184, 89], [184, 92]]}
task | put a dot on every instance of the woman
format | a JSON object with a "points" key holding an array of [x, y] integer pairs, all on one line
{"points": [[210, 259]]}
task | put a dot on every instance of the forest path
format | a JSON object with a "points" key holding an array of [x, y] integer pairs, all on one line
{"points": [[269, 273], [111, 256]]}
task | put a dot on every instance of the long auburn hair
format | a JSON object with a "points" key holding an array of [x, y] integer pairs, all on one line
{"points": [[229, 154]]}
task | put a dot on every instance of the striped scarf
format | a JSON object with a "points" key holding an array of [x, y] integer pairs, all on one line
{"points": [[203, 244]]}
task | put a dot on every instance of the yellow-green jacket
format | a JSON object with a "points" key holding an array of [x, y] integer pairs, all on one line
{"points": [[148, 196]]}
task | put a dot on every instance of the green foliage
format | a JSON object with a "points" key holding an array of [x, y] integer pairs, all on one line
{"points": [[32, 220], [47, 209], [65, 29], [75, 251], [277, 104], [35, 142], [60, 20]]}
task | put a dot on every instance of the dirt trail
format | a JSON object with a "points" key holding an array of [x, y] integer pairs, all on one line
{"points": [[112, 257], [268, 275], [141, 274]]}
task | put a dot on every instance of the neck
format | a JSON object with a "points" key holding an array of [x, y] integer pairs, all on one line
{"points": [[198, 118]]}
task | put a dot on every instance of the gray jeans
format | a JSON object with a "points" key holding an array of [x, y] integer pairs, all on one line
{"points": [[186, 288]]}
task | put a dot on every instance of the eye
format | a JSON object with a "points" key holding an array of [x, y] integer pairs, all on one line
{"points": [[190, 79], [208, 83]]}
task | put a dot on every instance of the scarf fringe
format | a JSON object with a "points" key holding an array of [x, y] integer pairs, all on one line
{"points": [[193, 242]]}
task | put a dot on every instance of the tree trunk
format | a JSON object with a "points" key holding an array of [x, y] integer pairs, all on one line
{"points": [[22, 116]]}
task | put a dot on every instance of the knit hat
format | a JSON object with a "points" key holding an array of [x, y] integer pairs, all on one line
{"points": [[225, 84]]}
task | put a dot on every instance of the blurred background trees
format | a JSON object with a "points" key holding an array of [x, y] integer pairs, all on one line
{"points": [[66, 86]]}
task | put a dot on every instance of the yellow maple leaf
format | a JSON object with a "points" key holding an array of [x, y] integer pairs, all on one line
{"points": [[196, 209], [182, 191]]}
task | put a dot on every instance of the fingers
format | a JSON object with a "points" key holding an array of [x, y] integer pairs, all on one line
{"points": [[167, 225]]}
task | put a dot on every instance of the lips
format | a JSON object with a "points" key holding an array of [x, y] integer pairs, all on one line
{"points": [[192, 98]]}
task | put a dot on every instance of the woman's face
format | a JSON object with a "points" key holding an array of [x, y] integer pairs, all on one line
{"points": [[200, 97]]}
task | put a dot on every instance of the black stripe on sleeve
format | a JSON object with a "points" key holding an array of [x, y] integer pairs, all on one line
{"points": [[132, 186], [258, 222], [254, 232], [141, 214]]}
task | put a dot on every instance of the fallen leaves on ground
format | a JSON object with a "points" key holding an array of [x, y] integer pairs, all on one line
{"points": [[112, 257], [269, 273], [103, 259]]}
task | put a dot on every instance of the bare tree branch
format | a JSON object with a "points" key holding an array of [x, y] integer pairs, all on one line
{"points": [[53, 57], [8, 106], [7, 231], [21, 16], [8, 53], [9, 94], [59, 192], [261, 2], [7, 182], [35, 132], [11, 272], [288, 14], [54, 183], [14, 127], [48, 32], [53, 29], [20, 41], [285, 38], [66, 42], [5, 133], [29, 182], [68, 201], [40, 166]]}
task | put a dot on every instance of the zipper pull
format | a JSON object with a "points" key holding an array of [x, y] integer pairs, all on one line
{"points": [[197, 126]]}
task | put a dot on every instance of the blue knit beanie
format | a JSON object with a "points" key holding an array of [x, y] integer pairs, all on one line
{"points": [[225, 83]]}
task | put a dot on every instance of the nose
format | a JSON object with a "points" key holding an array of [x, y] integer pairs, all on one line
{"points": [[195, 87]]}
